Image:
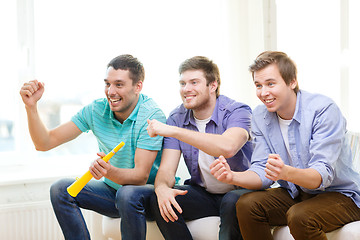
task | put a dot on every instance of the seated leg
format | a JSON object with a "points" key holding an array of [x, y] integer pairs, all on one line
{"points": [[325, 212], [133, 203], [258, 211]]}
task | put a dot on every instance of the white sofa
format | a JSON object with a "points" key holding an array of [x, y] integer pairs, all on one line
{"points": [[201, 229], [207, 228]]}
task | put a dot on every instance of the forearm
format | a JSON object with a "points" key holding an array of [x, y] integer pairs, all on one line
{"points": [[247, 179], [40, 135], [164, 179], [212, 144], [127, 176], [307, 178]]}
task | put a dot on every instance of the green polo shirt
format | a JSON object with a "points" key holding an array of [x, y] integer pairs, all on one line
{"points": [[109, 132]]}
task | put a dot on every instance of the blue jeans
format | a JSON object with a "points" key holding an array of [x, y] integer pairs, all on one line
{"points": [[199, 203], [131, 203]]}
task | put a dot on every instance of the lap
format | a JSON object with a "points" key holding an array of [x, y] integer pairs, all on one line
{"points": [[96, 196], [330, 210], [270, 204], [198, 203]]}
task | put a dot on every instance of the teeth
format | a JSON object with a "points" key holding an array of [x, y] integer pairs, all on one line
{"points": [[114, 100], [269, 101]]}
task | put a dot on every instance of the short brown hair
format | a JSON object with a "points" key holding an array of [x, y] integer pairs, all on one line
{"points": [[128, 62], [287, 67], [209, 68]]}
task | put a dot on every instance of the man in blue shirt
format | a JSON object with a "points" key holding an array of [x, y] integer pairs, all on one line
{"points": [[205, 126], [300, 142], [121, 116]]}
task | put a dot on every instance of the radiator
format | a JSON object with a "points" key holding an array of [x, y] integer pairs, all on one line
{"points": [[29, 221]]}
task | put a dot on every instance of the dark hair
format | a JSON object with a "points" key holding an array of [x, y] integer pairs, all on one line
{"points": [[209, 68], [287, 67], [128, 62]]}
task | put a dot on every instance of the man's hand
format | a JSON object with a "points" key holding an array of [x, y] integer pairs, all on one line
{"points": [[275, 168], [156, 128], [31, 92], [166, 201], [99, 168], [220, 169]]}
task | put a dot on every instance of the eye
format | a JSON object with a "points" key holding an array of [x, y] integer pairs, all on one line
{"points": [[107, 84], [182, 84], [258, 86], [194, 82], [271, 84], [119, 85]]}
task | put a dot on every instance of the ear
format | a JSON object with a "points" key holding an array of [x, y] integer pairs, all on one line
{"points": [[138, 87], [213, 86], [293, 84]]}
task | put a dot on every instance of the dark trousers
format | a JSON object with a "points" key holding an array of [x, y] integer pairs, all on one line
{"points": [[309, 216], [199, 203]]}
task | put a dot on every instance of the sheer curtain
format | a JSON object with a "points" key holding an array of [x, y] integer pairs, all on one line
{"points": [[322, 37], [67, 44]]}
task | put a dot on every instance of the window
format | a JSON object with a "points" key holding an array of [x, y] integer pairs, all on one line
{"points": [[8, 63], [322, 38], [67, 46]]}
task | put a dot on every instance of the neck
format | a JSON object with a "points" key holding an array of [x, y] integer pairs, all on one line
{"points": [[288, 113], [206, 110], [121, 116]]}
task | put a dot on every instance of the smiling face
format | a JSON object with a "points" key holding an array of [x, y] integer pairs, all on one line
{"points": [[122, 95], [272, 90], [195, 93]]}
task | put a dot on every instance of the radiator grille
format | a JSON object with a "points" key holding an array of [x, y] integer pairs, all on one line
{"points": [[29, 221]]}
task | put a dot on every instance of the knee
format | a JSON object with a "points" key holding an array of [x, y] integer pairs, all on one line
{"points": [[299, 217], [228, 203], [59, 187], [125, 196], [130, 196], [58, 192], [249, 206]]}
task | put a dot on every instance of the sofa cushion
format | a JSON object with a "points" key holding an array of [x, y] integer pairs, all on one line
{"points": [[201, 229], [111, 229]]}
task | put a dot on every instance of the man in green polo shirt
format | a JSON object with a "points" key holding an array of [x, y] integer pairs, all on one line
{"points": [[121, 116]]}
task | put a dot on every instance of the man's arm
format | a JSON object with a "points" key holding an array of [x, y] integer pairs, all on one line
{"points": [[226, 144], [222, 172], [138, 175], [165, 180], [276, 170], [44, 139]]}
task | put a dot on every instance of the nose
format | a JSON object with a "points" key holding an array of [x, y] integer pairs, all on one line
{"points": [[111, 90], [264, 91], [186, 87]]}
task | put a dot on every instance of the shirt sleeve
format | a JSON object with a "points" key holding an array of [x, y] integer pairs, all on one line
{"points": [[326, 142], [170, 142], [147, 142], [81, 118], [260, 154], [239, 117]]}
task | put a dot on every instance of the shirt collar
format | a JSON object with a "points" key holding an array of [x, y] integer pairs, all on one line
{"points": [[133, 114], [297, 113], [189, 116]]}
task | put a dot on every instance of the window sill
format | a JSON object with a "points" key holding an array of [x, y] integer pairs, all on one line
{"points": [[43, 169]]}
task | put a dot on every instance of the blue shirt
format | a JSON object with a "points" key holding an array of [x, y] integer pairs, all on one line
{"points": [[109, 132], [227, 114], [317, 139]]}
